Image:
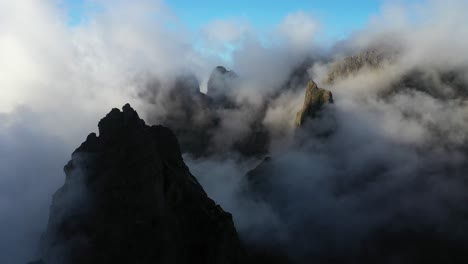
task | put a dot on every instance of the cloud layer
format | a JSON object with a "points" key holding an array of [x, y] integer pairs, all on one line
{"points": [[396, 155]]}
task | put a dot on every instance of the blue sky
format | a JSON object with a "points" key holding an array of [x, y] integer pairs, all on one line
{"points": [[338, 17]]}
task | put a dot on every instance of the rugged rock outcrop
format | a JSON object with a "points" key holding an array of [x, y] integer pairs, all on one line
{"points": [[129, 198], [195, 117], [315, 99], [428, 80], [190, 115], [220, 83], [353, 64]]}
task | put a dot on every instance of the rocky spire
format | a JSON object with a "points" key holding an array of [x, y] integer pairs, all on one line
{"points": [[129, 198], [315, 99]]}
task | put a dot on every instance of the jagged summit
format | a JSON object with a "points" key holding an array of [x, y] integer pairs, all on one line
{"points": [[220, 83], [315, 99], [129, 198], [221, 69]]}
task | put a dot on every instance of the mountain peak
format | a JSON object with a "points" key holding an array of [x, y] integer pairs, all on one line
{"points": [[128, 197], [315, 99], [311, 85], [220, 83], [221, 69]]}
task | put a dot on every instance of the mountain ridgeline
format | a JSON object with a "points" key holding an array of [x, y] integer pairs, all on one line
{"points": [[129, 196], [197, 118]]}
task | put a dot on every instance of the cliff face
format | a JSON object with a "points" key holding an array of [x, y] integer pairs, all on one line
{"points": [[315, 99], [129, 198]]}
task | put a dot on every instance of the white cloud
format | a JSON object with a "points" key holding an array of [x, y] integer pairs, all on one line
{"points": [[300, 30]]}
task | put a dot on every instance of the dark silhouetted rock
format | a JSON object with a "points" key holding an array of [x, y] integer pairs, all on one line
{"points": [[190, 115], [256, 143], [220, 83], [315, 99], [129, 198]]}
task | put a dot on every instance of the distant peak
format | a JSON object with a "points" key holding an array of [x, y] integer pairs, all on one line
{"points": [[117, 120], [221, 81], [221, 69], [127, 108]]}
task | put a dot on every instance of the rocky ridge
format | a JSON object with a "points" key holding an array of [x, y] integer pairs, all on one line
{"points": [[353, 64], [129, 198]]}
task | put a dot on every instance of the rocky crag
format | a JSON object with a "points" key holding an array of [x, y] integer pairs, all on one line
{"points": [[315, 99], [195, 117], [129, 198]]}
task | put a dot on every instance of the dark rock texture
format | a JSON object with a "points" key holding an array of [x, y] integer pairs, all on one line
{"points": [[129, 198], [315, 99], [353, 64], [190, 115]]}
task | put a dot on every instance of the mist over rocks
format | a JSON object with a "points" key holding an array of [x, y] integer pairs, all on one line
{"points": [[129, 198], [442, 84], [223, 122], [352, 64], [197, 118], [221, 83], [364, 194], [347, 186], [377, 177], [385, 183], [190, 114], [315, 99]]}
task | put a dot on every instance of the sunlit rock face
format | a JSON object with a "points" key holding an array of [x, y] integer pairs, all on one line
{"points": [[315, 99], [351, 65], [129, 198]]}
